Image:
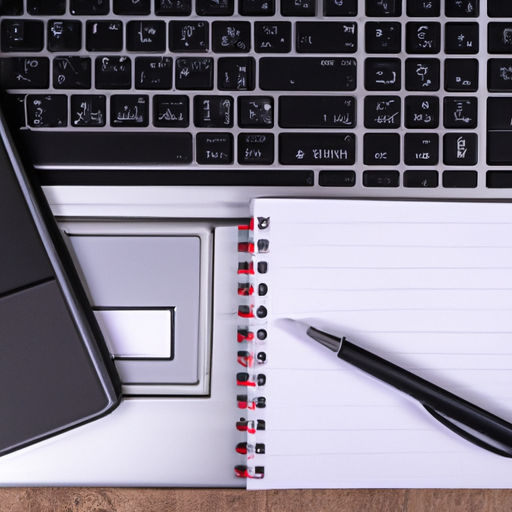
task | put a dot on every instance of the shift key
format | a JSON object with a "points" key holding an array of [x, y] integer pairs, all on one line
{"points": [[317, 148]]}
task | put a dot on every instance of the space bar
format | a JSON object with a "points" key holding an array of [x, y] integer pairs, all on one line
{"points": [[107, 149]]}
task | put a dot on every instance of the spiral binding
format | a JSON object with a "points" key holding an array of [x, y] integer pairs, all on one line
{"points": [[252, 339]]}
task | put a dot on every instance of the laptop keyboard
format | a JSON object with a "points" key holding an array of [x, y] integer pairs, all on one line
{"points": [[374, 94]]}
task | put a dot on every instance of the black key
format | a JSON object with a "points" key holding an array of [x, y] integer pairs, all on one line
{"points": [[307, 74], [422, 74], [499, 75], [298, 7], [423, 37], [421, 112], [421, 149], [213, 111], [381, 148], [231, 36], [461, 38], [460, 112], [47, 111], [153, 72], [383, 37], [421, 179], [317, 148], [104, 36], [89, 7], [317, 112], [255, 112], [273, 37], [382, 112], [71, 72], [337, 8], [46, 7], [499, 147], [20, 35], [11, 8], [461, 75], [500, 37], [113, 72], [256, 148], [171, 111], [64, 36], [499, 9], [460, 149], [136, 7], [326, 37], [464, 8], [381, 179], [188, 36], [194, 73], [88, 110], [383, 8], [337, 178], [25, 73], [214, 7], [146, 36], [382, 74], [499, 113], [257, 7], [214, 148], [423, 8], [173, 7], [499, 179], [236, 73], [129, 110], [460, 179]]}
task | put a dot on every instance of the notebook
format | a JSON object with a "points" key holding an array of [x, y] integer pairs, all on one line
{"points": [[425, 285]]}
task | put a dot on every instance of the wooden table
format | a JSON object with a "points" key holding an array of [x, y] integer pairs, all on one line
{"points": [[79, 499]]}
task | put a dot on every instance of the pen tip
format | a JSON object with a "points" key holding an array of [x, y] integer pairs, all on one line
{"points": [[327, 340]]}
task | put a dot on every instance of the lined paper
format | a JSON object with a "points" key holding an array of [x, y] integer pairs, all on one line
{"points": [[425, 285]]}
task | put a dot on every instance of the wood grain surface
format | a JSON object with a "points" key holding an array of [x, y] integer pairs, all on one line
{"points": [[224, 500]]}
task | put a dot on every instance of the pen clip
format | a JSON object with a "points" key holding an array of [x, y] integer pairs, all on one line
{"points": [[480, 439]]}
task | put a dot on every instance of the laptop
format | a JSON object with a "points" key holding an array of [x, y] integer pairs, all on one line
{"points": [[151, 124]]}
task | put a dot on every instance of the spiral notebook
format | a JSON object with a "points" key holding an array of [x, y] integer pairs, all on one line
{"points": [[425, 285]]}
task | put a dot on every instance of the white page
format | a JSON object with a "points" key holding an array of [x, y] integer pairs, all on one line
{"points": [[425, 285]]}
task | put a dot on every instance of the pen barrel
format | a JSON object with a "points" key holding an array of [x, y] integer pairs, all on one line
{"points": [[464, 418]]}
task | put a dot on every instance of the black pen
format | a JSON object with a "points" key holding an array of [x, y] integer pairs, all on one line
{"points": [[469, 421]]}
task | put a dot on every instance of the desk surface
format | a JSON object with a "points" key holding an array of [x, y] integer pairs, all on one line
{"points": [[79, 499]]}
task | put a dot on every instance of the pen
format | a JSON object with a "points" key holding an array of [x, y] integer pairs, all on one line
{"points": [[465, 419]]}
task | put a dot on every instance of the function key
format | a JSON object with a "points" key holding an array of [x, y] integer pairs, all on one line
{"points": [[146, 36], [382, 74], [383, 8], [113, 72], [236, 73], [194, 73], [421, 148], [499, 75], [298, 7], [11, 8], [214, 148], [173, 7], [47, 111], [257, 7], [465, 8], [337, 178], [231, 36], [422, 74], [460, 179], [25, 72], [383, 37], [89, 7], [461, 75], [64, 36], [213, 111], [256, 148], [421, 112], [188, 36], [326, 37], [129, 110], [382, 112], [460, 149], [423, 8], [274, 37], [382, 179], [22, 36], [214, 7], [423, 37], [171, 111], [255, 112], [421, 179], [88, 110], [136, 7], [460, 112], [381, 148], [153, 72], [499, 9], [337, 8], [46, 7], [500, 37], [72, 72], [461, 38], [104, 36]]}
